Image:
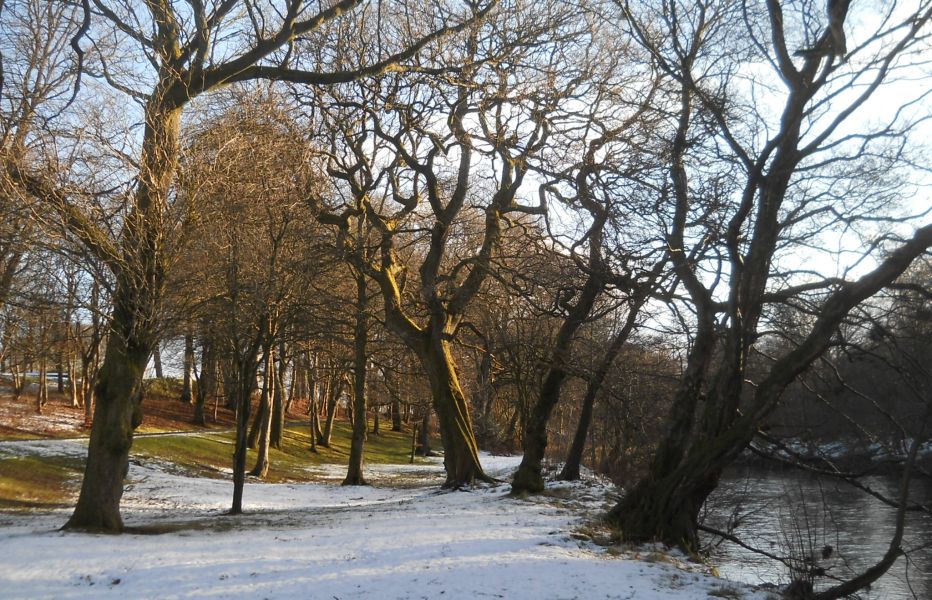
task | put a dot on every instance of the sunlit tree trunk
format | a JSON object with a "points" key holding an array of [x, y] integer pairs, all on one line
{"points": [[188, 367], [265, 425]]}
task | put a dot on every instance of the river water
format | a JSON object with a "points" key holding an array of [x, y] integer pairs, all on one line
{"points": [[789, 513]]}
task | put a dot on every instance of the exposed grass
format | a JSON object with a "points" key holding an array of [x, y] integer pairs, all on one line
{"points": [[13, 434], [33, 481], [209, 454]]}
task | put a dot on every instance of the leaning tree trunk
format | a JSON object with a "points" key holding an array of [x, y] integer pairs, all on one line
{"points": [[529, 477], [460, 452], [573, 462], [665, 504], [354, 472], [265, 425], [334, 388]]}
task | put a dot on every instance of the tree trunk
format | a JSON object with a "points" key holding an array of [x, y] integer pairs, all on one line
{"points": [[139, 282], [73, 390], [19, 382], [570, 470], [87, 392], [265, 426], [278, 408], [484, 395], [59, 375], [354, 472], [244, 372], [665, 505], [376, 425], [258, 420], [529, 477], [460, 453], [396, 414], [207, 386], [157, 362], [186, 395], [335, 389], [42, 394], [314, 413], [117, 412], [423, 434]]}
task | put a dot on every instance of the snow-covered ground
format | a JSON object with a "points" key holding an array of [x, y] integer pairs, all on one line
{"points": [[324, 541]]}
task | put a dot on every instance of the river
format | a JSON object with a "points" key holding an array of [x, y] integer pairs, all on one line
{"points": [[792, 513]]}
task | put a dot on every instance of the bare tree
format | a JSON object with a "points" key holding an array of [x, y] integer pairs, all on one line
{"points": [[180, 47], [746, 189]]}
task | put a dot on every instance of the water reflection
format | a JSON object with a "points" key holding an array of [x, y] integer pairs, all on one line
{"points": [[823, 525]]}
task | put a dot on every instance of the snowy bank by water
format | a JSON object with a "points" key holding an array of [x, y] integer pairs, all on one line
{"points": [[325, 541]]}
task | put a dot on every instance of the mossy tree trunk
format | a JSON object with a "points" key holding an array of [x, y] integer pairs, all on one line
{"points": [[460, 452]]}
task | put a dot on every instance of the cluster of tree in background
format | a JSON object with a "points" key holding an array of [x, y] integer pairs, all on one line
{"points": [[642, 235]]}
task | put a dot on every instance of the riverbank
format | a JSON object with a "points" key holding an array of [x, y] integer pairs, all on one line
{"points": [[401, 538]]}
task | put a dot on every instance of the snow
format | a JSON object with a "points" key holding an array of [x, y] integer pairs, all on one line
{"points": [[320, 540]]}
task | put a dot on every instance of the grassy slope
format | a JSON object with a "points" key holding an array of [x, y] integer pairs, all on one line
{"points": [[38, 482]]}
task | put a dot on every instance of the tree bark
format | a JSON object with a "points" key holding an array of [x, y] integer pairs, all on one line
{"points": [[354, 473], [117, 412], [396, 414], [139, 282], [157, 362], [207, 386], [186, 391], [278, 408], [334, 389], [570, 471], [529, 477], [461, 454], [265, 425]]}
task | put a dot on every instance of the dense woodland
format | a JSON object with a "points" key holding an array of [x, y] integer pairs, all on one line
{"points": [[649, 237]]}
